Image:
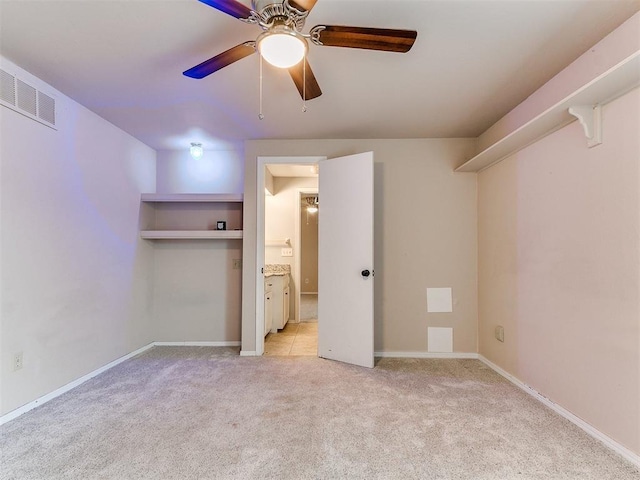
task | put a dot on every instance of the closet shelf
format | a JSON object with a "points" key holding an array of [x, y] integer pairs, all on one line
{"points": [[615, 82]]}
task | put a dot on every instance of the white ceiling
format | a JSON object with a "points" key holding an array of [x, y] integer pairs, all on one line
{"points": [[473, 61]]}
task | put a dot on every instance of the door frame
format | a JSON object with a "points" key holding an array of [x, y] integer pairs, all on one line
{"points": [[298, 251], [262, 162]]}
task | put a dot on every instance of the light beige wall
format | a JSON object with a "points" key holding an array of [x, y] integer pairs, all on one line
{"points": [[280, 215], [76, 277], [559, 268], [268, 182], [425, 235], [308, 252], [197, 292], [218, 171]]}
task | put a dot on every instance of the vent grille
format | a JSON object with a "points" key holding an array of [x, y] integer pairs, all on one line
{"points": [[46, 108], [26, 99], [7, 88]]}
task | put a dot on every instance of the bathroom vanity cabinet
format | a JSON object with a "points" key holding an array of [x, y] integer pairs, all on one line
{"points": [[280, 308], [268, 305], [277, 294]]}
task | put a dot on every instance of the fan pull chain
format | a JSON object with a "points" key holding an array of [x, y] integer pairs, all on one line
{"points": [[304, 83], [260, 115]]}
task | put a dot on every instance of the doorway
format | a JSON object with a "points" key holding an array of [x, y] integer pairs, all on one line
{"points": [[295, 189], [345, 256], [309, 202], [282, 181]]}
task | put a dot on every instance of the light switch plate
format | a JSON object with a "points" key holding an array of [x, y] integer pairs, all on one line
{"points": [[439, 300], [286, 252]]}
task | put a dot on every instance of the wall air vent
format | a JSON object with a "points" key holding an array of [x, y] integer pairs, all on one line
{"points": [[18, 95], [7, 88], [27, 97], [46, 108]]}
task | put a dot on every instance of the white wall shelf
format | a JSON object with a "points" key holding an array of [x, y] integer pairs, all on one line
{"points": [[191, 234], [618, 80], [190, 216], [191, 197]]}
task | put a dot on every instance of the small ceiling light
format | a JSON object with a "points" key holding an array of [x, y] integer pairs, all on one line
{"points": [[312, 209], [196, 150], [282, 46]]}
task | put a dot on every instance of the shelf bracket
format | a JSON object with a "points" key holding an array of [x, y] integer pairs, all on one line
{"points": [[590, 117]]}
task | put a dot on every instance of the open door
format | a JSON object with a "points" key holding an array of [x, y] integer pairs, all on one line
{"points": [[345, 256]]}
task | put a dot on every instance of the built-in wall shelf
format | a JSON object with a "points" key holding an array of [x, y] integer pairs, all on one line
{"points": [[191, 216], [615, 82], [191, 197], [190, 234]]}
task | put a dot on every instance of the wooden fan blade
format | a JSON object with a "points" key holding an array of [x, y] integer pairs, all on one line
{"points": [[384, 39], [303, 5], [301, 72], [220, 61], [230, 7]]}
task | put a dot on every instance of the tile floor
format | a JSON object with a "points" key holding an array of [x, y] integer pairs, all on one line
{"points": [[293, 339]]}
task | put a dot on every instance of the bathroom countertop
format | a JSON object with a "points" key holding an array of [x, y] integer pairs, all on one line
{"points": [[276, 269]]}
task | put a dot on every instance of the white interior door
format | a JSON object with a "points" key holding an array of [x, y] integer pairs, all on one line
{"points": [[345, 258]]}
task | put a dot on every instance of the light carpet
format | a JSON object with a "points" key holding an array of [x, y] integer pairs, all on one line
{"points": [[206, 413]]}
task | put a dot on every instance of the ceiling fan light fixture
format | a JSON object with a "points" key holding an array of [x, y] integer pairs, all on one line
{"points": [[282, 47]]}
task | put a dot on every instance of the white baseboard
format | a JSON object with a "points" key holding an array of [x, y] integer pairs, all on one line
{"points": [[197, 344], [71, 385], [425, 355], [608, 441], [595, 433], [56, 393]]}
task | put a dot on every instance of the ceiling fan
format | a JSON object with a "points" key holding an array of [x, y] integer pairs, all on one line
{"points": [[283, 44]]}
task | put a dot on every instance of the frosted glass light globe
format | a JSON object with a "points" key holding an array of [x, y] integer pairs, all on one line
{"points": [[282, 48]]}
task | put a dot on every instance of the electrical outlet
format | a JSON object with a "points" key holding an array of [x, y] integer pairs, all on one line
{"points": [[237, 263], [17, 361], [499, 332], [306, 280], [286, 252]]}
